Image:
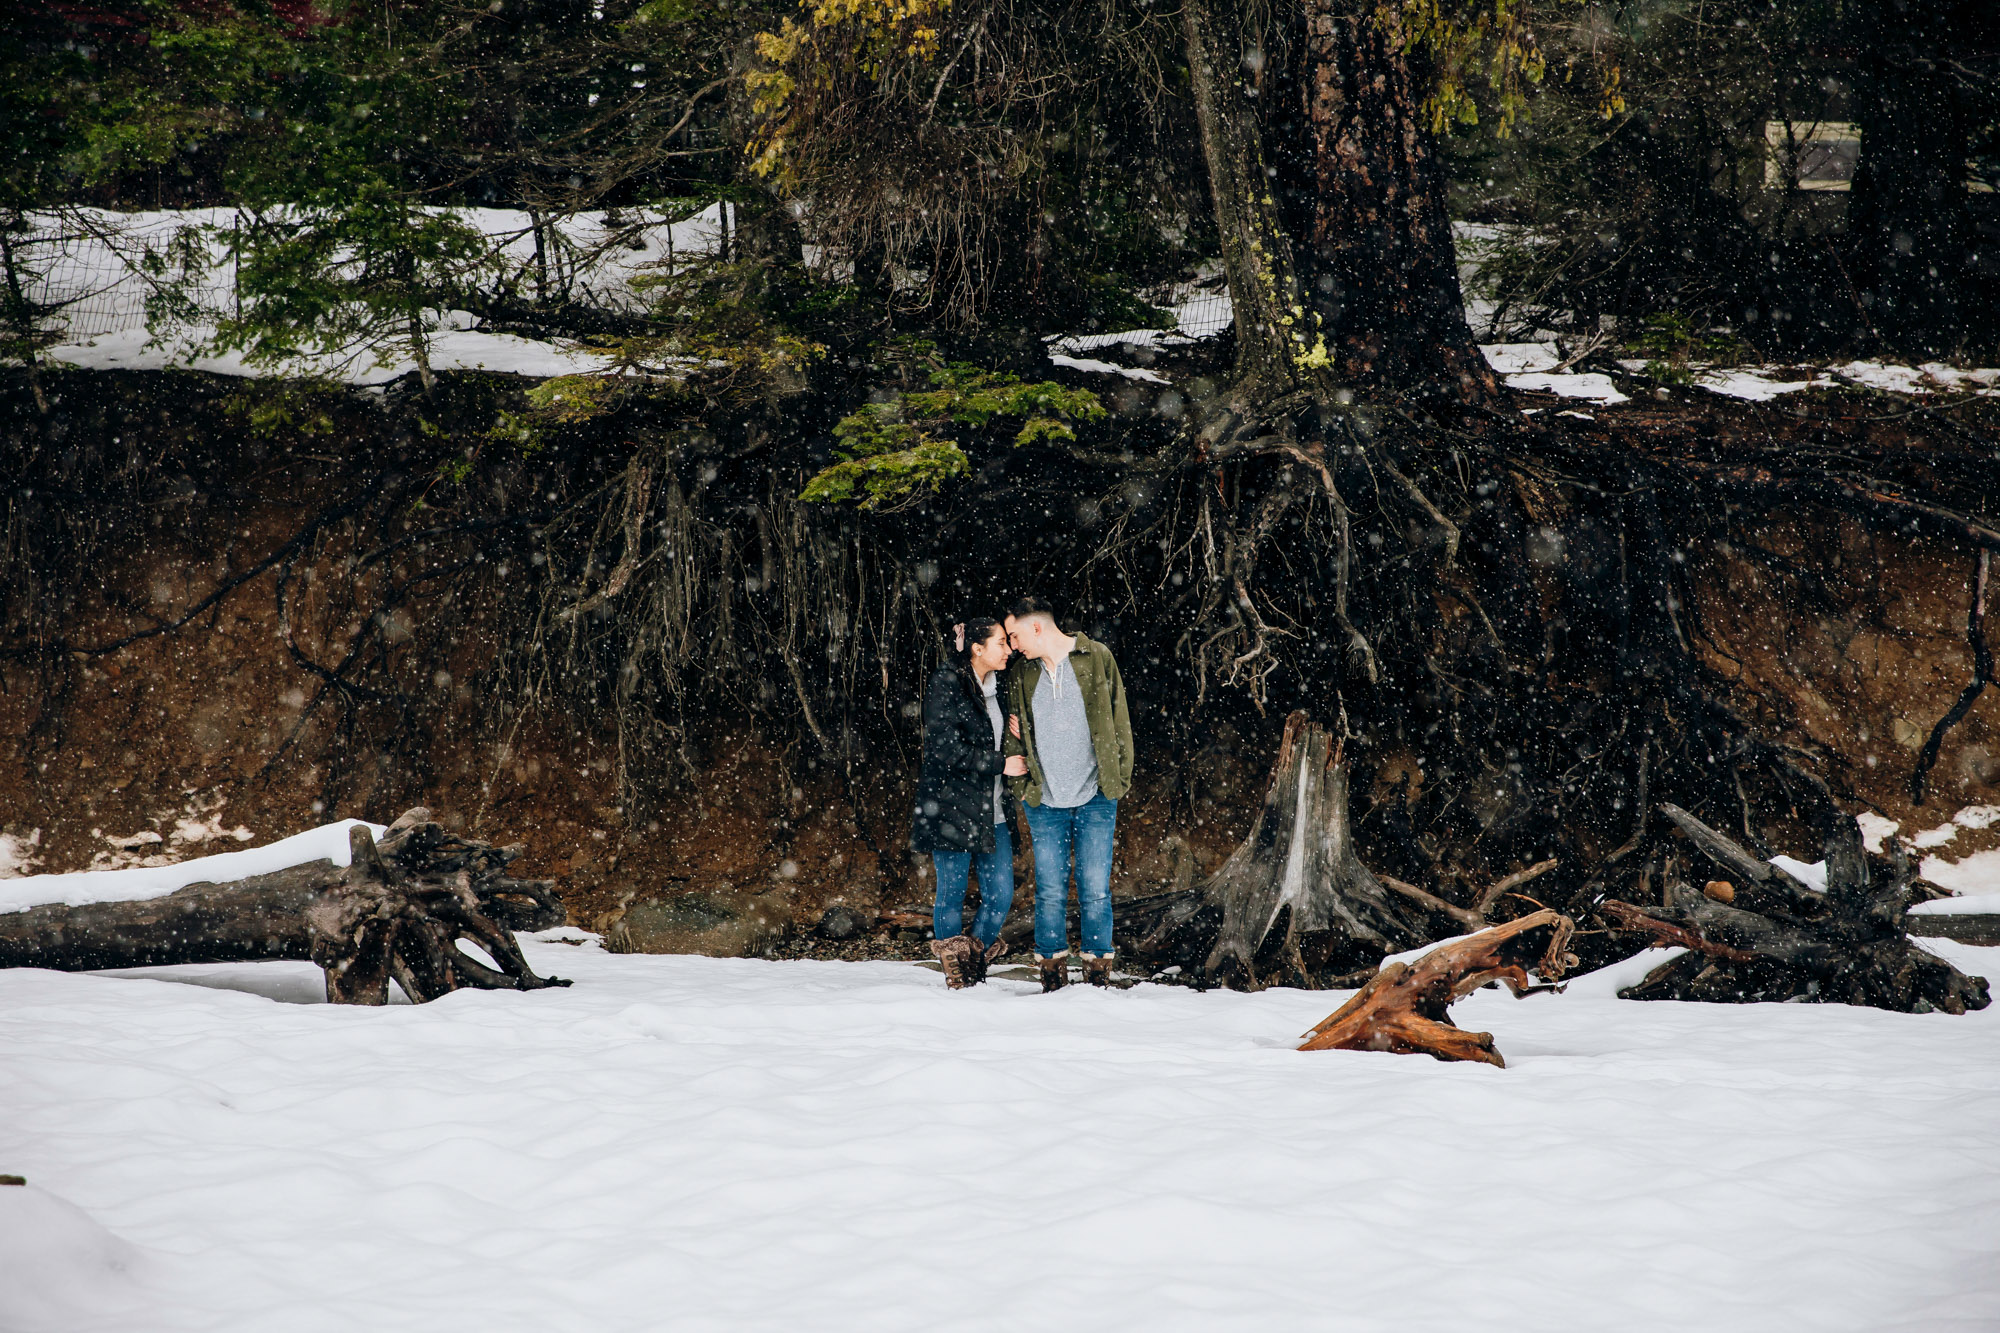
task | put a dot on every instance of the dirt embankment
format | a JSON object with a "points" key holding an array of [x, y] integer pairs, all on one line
{"points": [[186, 740], [168, 695]]}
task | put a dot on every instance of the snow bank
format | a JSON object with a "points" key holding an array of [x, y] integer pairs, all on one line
{"points": [[1755, 386], [734, 1144], [328, 842], [1761, 384], [1594, 387], [1978, 904], [1931, 377], [1106, 368], [1812, 874], [1531, 366], [90, 265], [60, 1270], [1975, 876], [135, 349]]}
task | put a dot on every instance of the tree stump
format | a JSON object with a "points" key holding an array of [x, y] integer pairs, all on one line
{"points": [[1405, 1008], [401, 906], [1771, 937], [1293, 901]]}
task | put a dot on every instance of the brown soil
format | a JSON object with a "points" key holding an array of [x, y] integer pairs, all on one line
{"points": [[208, 724]]}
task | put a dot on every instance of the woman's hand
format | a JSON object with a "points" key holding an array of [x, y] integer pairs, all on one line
{"points": [[1014, 725], [1017, 766]]}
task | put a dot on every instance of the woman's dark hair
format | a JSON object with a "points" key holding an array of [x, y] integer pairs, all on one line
{"points": [[958, 651]]}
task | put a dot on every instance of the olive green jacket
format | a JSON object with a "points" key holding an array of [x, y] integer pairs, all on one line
{"points": [[1103, 706]]}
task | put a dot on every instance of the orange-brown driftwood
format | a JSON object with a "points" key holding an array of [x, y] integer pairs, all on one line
{"points": [[1404, 1008]]}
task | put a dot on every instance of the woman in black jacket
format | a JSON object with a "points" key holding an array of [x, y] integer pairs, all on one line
{"points": [[961, 815]]}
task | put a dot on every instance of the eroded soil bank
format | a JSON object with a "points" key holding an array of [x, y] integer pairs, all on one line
{"points": [[170, 695]]}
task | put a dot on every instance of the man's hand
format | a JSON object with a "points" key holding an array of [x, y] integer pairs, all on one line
{"points": [[1014, 725], [1017, 766]]}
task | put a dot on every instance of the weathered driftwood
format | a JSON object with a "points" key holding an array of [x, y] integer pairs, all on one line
{"points": [[1405, 1007], [1293, 901], [1763, 935], [458, 883], [381, 920]]}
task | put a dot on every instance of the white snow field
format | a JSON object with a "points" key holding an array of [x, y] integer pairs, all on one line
{"points": [[684, 1143]]}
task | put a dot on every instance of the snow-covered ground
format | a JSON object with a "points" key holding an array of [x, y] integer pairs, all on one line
{"points": [[90, 265], [696, 1143]]}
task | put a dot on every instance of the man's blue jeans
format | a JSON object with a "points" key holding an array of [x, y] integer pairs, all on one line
{"points": [[1086, 831], [996, 888]]}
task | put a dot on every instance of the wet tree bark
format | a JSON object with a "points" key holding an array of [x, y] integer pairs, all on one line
{"points": [[426, 883], [1763, 935], [1362, 190], [1330, 202], [1256, 249]]}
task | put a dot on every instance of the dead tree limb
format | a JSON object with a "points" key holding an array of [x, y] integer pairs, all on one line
{"points": [[1777, 939], [1405, 1008], [426, 881], [1982, 676]]}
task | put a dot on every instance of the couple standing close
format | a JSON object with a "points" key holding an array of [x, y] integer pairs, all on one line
{"points": [[1055, 728]]}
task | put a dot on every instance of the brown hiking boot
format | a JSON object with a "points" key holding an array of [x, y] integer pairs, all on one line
{"points": [[956, 955], [977, 961], [1097, 970], [1055, 971]]}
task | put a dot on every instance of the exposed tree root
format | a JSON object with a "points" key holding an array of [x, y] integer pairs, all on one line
{"points": [[1405, 1008], [398, 910], [1766, 936]]}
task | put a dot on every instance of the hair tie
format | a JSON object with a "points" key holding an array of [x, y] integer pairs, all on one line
{"points": [[958, 636]]}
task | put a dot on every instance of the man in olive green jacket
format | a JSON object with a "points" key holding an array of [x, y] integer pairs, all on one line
{"points": [[1067, 715]]}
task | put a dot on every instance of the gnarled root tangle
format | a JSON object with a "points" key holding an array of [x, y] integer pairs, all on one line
{"points": [[1778, 939], [1405, 1008], [402, 907]]}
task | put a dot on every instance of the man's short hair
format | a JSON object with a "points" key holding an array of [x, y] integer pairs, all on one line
{"points": [[1030, 608]]}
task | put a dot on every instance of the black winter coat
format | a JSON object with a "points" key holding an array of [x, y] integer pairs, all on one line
{"points": [[955, 791]]}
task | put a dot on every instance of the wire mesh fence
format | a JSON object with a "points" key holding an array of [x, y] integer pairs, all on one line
{"points": [[86, 273], [91, 273]]}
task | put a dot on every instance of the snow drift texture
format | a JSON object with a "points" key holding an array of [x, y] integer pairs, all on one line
{"points": [[701, 1144]]}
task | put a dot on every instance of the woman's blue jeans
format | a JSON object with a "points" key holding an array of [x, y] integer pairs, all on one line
{"points": [[996, 889], [1084, 831]]}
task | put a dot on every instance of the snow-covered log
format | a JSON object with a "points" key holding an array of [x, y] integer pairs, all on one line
{"points": [[423, 883], [1405, 1008], [1766, 936]]}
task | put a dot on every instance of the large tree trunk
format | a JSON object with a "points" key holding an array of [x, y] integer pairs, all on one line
{"points": [[1273, 353], [1330, 202], [1293, 902], [1908, 211], [427, 883], [1362, 190], [1762, 935]]}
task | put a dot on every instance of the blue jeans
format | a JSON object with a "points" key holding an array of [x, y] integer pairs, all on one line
{"points": [[1085, 830], [996, 888]]}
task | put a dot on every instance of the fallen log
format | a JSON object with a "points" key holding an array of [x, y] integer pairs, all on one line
{"points": [[1405, 1007], [1765, 936], [430, 883]]}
